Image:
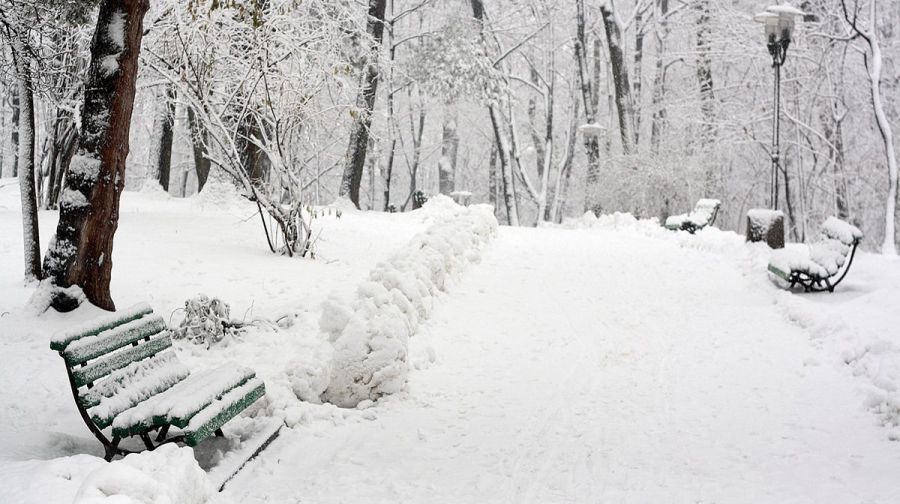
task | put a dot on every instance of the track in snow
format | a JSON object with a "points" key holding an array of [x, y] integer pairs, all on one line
{"points": [[590, 366]]}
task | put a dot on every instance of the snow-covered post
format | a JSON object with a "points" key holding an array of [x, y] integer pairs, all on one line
{"points": [[81, 252]]}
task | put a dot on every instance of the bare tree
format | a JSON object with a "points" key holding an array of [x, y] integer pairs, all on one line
{"points": [[874, 62], [359, 137]]}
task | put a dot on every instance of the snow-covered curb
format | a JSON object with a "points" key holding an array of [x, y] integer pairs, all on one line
{"points": [[370, 333]]}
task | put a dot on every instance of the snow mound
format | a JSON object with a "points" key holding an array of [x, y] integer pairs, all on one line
{"points": [[371, 333], [219, 194], [167, 475]]}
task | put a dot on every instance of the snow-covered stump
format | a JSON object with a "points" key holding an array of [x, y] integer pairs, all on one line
{"points": [[371, 333], [766, 225]]}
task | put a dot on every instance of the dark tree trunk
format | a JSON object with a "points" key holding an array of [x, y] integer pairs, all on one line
{"points": [[163, 132], [254, 160], [14, 130], [81, 252], [25, 140], [658, 121], [509, 198], [705, 78], [198, 145], [620, 76], [449, 149], [638, 76], [589, 95], [359, 137]]}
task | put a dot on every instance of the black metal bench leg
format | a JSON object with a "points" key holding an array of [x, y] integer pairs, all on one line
{"points": [[162, 433], [219, 432], [145, 437], [111, 449]]}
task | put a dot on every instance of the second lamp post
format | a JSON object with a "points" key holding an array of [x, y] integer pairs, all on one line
{"points": [[779, 23]]}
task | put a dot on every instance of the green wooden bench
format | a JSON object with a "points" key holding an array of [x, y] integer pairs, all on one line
{"points": [[704, 214], [823, 264], [126, 380]]}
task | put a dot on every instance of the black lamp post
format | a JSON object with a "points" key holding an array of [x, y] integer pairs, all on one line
{"points": [[779, 23]]}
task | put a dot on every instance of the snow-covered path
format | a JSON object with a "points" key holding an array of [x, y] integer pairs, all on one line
{"points": [[590, 366]]}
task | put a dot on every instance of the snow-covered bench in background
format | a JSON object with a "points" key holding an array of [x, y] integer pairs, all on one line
{"points": [[823, 264], [704, 214], [125, 377]]}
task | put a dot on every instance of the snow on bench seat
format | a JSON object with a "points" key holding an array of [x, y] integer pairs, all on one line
{"points": [[178, 404], [61, 340], [786, 260], [91, 347], [844, 232], [105, 365], [702, 215], [214, 416], [130, 386]]}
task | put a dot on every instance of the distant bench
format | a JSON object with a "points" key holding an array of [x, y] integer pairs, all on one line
{"points": [[704, 214], [823, 264], [125, 376]]}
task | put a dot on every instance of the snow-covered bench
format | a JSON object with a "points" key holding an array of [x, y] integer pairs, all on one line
{"points": [[821, 265], [126, 378], [704, 214]]}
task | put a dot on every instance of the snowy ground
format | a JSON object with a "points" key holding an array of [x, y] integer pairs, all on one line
{"points": [[612, 362]]}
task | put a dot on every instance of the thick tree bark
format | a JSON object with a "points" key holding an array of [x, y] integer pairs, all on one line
{"points": [[25, 161], [620, 76], [81, 252], [163, 135], [198, 145], [359, 137]]}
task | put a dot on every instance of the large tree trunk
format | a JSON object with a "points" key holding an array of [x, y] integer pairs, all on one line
{"points": [[163, 135], [620, 76], [25, 163], [81, 252], [365, 102], [198, 145]]}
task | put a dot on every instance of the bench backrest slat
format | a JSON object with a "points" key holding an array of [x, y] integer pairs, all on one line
{"points": [[61, 340], [85, 349], [115, 361]]}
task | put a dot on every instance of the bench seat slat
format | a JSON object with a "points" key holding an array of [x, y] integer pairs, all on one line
{"points": [[155, 375], [176, 405], [109, 363], [61, 340], [217, 413], [105, 342]]}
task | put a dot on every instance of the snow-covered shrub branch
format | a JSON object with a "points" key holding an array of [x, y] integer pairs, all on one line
{"points": [[371, 333]]}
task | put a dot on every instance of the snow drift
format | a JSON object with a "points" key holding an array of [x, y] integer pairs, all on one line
{"points": [[371, 333], [167, 475]]}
